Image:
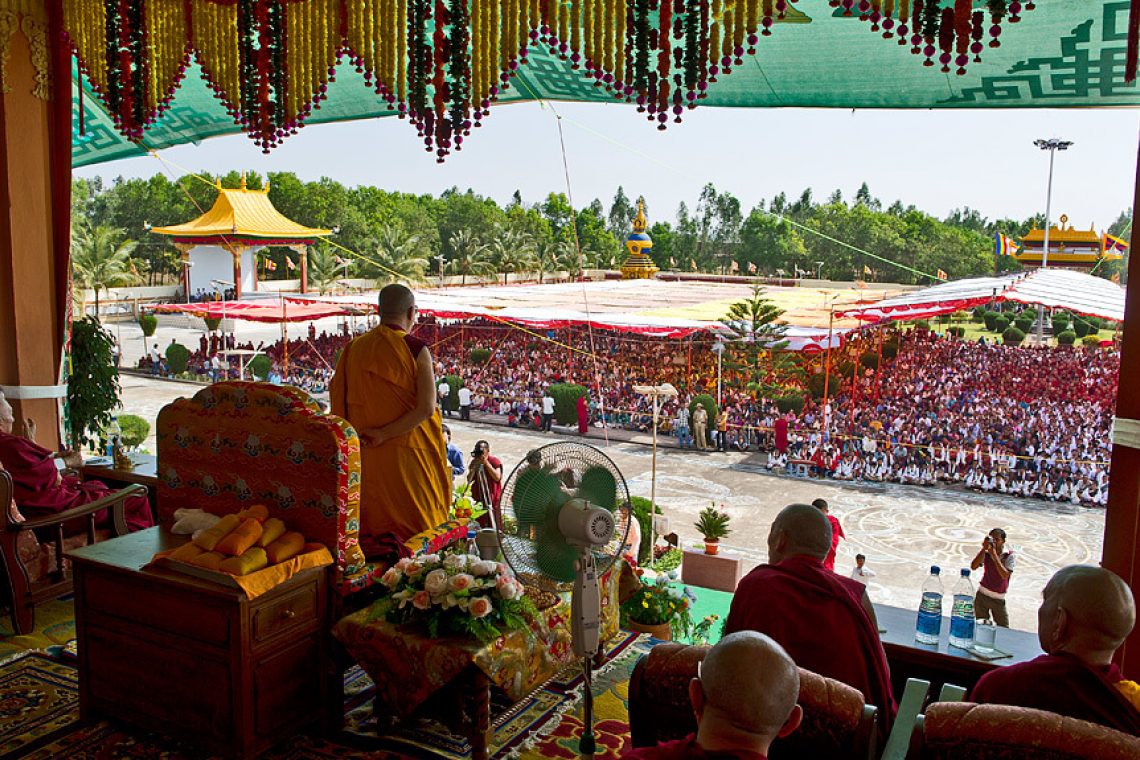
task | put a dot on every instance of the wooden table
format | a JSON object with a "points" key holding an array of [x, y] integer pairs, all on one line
{"points": [[943, 663], [145, 472], [194, 659]]}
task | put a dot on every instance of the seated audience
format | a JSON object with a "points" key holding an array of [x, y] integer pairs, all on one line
{"points": [[824, 620], [1086, 614], [744, 697]]}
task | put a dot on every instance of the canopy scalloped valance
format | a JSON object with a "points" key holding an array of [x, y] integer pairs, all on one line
{"points": [[442, 63]]}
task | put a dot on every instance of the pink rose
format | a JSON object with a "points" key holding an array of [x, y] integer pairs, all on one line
{"points": [[460, 582], [421, 601], [508, 588], [479, 607], [391, 578], [413, 569]]}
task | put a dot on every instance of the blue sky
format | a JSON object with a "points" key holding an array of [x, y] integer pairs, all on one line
{"points": [[937, 160]]}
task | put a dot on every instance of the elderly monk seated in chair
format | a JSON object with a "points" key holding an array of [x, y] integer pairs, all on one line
{"points": [[744, 697], [385, 387], [824, 621], [42, 489], [1086, 613]]}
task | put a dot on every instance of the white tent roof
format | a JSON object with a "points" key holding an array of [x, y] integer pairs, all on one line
{"points": [[1053, 288]]}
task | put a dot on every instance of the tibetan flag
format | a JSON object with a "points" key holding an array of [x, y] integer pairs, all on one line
{"points": [[1004, 246], [752, 267], [942, 275], [1113, 244], [289, 263]]}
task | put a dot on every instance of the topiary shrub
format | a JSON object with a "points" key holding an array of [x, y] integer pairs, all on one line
{"points": [[989, 318], [1024, 322], [259, 366], [790, 402], [479, 355], [922, 325], [566, 397], [135, 430], [957, 331], [959, 316], [1060, 323], [1066, 338], [177, 358], [642, 510], [1081, 327], [978, 314], [1001, 322], [846, 369], [1091, 341], [869, 359], [709, 403], [1011, 336], [148, 323], [816, 385], [212, 323], [453, 397]]}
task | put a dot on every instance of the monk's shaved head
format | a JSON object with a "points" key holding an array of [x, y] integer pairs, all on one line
{"points": [[799, 529], [1086, 610], [7, 416], [396, 299], [750, 683]]}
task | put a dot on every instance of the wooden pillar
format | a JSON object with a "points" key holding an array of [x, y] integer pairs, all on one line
{"points": [[35, 186], [303, 255], [1122, 522], [236, 252]]}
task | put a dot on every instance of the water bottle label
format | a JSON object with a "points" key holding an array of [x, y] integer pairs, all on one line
{"points": [[963, 607]]}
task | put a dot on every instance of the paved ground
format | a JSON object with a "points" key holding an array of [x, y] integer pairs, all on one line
{"points": [[902, 529]]}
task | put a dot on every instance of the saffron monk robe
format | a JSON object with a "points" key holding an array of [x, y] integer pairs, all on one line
{"points": [[40, 489], [825, 621], [384, 386], [1086, 613]]}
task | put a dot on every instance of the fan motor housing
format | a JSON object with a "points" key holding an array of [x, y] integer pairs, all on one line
{"points": [[584, 524]]}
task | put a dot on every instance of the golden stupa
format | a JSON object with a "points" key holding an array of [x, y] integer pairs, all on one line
{"points": [[638, 265]]}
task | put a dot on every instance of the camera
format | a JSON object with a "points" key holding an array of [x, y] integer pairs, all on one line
{"points": [[478, 452], [989, 541]]}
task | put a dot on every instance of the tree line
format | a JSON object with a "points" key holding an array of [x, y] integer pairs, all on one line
{"points": [[385, 235]]}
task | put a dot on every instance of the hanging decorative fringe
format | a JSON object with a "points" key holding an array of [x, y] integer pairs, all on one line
{"points": [[442, 63]]}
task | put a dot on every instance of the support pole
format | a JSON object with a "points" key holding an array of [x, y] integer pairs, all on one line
{"points": [[827, 370]]}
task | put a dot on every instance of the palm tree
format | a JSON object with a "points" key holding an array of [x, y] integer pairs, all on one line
{"points": [[513, 252], [395, 256], [471, 256], [556, 256], [101, 259], [323, 269]]}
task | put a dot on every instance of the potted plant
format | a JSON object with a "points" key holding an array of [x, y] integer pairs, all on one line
{"points": [[713, 525], [660, 610]]}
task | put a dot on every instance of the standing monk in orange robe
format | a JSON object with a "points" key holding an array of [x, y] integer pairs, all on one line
{"points": [[385, 387]]}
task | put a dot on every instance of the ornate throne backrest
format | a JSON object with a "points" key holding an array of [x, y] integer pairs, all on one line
{"points": [[240, 443]]}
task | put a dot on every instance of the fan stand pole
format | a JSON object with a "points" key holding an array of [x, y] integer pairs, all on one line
{"points": [[653, 490], [587, 745]]}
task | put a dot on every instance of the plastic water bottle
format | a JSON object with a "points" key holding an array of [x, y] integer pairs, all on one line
{"points": [[928, 629], [472, 546], [962, 613], [114, 434]]}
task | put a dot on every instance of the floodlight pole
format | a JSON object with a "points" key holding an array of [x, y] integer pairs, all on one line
{"points": [[1052, 145]]}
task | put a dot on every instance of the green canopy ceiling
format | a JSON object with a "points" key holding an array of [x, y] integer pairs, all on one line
{"points": [[1062, 54]]}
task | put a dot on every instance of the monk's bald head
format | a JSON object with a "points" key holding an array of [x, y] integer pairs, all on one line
{"points": [[1086, 610], [396, 300], [7, 416], [749, 683], [799, 529]]}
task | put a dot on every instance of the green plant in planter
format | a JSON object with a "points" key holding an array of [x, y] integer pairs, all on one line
{"points": [[148, 323], [659, 603], [259, 366], [709, 403], [177, 358], [93, 384], [669, 560], [643, 511], [1012, 336], [1066, 338], [712, 524], [212, 323], [135, 430]]}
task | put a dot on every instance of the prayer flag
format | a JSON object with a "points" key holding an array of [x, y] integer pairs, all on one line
{"points": [[694, 263], [752, 267], [672, 262], [942, 275], [867, 270], [1004, 246], [289, 263], [1113, 244], [270, 265]]}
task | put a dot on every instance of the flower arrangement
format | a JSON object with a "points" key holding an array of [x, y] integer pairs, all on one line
{"points": [[668, 559], [457, 594], [464, 505], [658, 603]]}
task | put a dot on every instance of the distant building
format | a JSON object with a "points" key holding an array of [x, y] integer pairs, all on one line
{"points": [[1069, 248], [638, 265]]}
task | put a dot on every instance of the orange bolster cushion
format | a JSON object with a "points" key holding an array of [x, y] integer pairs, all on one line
{"points": [[240, 538], [187, 552], [208, 539], [208, 560], [258, 512], [252, 560], [272, 529], [289, 545]]}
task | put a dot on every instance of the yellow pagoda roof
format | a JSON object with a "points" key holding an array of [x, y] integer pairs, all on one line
{"points": [[1064, 233], [242, 213]]}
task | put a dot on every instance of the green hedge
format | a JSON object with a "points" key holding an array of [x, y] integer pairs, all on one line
{"points": [[1024, 322], [212, 323], [177, 358], [135, 430], [453, 397], [891, 348], [957, 331], [790, 402], [566, 397], [1081, 327], [846, 369], [922, 324], [479, 355], [1001, 322], [1011, 336], [1066, 338], [816, 385], [148, 323], [989, 317], [978, 314], [709, 403], [1060, 323], [1091, 341], [259, 366], [869, 359], [641, 510]]}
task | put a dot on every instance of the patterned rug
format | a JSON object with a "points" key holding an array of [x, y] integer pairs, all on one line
{"points": [[55, 626], [39, 706]]}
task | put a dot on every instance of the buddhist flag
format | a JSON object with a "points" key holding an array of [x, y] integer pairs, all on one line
{"points": [[1113, 244], [1004, 246], [270, 265], [752, 267], [672, 263], [289, 263], [942, 275]]}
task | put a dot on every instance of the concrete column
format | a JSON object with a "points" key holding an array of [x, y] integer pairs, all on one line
{"points": [[31, 193], [303, 255]]}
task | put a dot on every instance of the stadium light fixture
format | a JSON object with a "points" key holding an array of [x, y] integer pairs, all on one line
{"points": [[1052, 145]]}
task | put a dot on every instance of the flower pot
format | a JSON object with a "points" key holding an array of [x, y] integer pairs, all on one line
{"points": [[712, 546], [662, 631]]}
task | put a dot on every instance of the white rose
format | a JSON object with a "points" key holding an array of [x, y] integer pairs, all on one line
{"points": [[435, 582], [484, 567], [455, 562], [479, 607], [391, 577], [508, 589]]}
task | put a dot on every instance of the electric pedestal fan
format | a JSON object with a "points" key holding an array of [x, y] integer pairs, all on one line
{"points": [[571, 511]]}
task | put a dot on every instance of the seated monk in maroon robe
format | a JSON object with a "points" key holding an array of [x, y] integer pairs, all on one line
{"points": [[824, 620], [40, 489], [1086, 614], [744, 697]]}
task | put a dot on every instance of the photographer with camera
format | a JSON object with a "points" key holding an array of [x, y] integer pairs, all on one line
{"points": [[989, 601], [485, 474]]}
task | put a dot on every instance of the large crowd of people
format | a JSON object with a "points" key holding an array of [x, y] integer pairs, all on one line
{"points": [[1029, 422]]}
